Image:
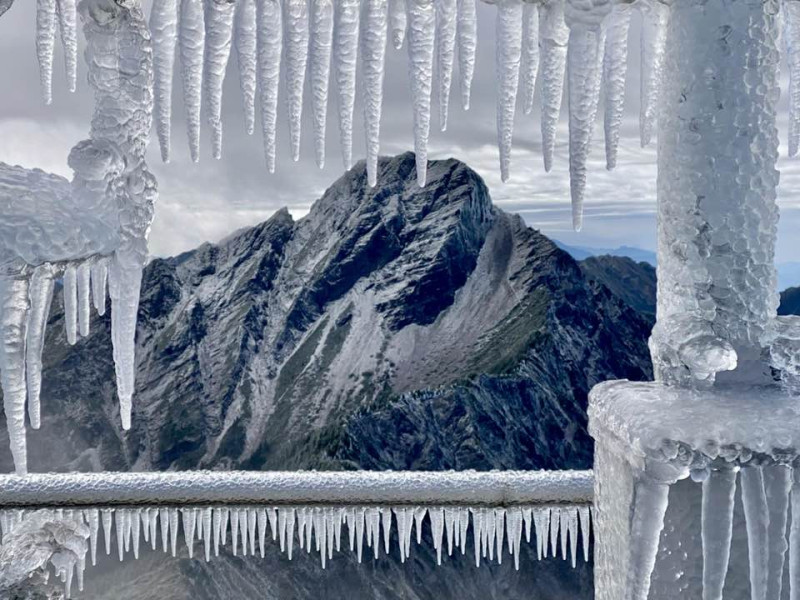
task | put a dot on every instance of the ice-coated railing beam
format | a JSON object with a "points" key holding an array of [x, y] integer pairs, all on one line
{"points": [[472, 488]]}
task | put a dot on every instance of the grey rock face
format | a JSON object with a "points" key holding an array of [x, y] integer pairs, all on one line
{"points": [[394, 327]]}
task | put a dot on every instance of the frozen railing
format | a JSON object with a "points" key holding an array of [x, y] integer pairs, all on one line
{"points": [[306, 509]]}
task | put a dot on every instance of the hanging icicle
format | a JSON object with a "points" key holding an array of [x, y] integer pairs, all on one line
{"points": [[373, 54], [321, 48], [507, 57], [421, 32]]}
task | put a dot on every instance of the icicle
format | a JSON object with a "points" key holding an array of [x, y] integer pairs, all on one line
{"points": [[757, 520], [717, 523], [351, 527], [386, 521], [163, 516], [14, 302], [45, 42], [163, 28], [295, 20], [530, 54], [153, 527], [777, 486], [309, 528], [80, 569], [189, 523], [555, 524], [262, 530], [41, 295], [653, 46], [338, 514], [246, 57], [219, 35], [615, 68], [450, 515], [145, 516], [119, 530], [68, 23], [477, 534], [93, 517], [584, 515], [270, 42], [373, 52], [70, 292], [106, 518], [467, 35], [491, 531], [272, 515], [320, 57], [235, 531], [541, 519], [446, 13], [507, 58], [359, 524], [124, 281], [290, 532], [650, 506], [572, 527], [320, 534], [282, 529], [192, 42], [400, 516], [437, 527], [553, 38], [527, 519], [464, 522], [584, 68], [419, 518], [243, 524], [792, 36], [345, 49], [127, 528], [208, 516], [373, 527], [136, 528], [251, 530], [794, 539], [328, 516], [397, 22], [500, 524], [421, 31], [173, 530], [82, 275], [514, 517]]}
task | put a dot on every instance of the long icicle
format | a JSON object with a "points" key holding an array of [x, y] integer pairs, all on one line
{"points": [[467, 35], [270, 43], [295, 19], [192, 42], [717, 526], [41, 295], [421, 32], [14, 311], [373, 55], [650, 506], [164, 32], [83, 276], [446, 12], [68, 23], [508, 56], [530, 55], [756, 516], [321, 48], [777, 487], [45, 44], [345, 49], [584, 66], [553, 38], [615, 68], [70, 292], [794, 539], [219, 36], [246, 42], [655, 15]]}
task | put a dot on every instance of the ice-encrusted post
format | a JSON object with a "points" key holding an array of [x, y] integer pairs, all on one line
{"points": [[722, 408]]}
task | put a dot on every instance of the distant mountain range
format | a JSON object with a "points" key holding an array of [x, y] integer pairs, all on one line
{"points": [[788, 272], [391, 328]]}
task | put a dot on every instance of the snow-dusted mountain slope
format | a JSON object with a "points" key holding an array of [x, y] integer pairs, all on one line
{"points": [[393, 327]]}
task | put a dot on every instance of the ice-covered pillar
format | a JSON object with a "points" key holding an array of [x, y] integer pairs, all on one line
{"points": [[672, 456], [717, 215]]}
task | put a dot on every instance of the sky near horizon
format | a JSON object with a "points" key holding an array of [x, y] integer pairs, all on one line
{"points": [[207, 201]]}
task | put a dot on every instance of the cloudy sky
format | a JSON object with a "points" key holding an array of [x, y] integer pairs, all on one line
{"points": [[206, 201]]}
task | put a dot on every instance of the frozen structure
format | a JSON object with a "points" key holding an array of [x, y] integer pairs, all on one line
{"points": [[92, 231], [487, 513], [724, 408]]}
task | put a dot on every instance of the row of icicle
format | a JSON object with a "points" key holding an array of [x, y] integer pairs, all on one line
{"points": [[84, 282], [555, 528], [309, 37]]}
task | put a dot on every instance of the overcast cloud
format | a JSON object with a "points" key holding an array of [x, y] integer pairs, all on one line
{"points": [[206, 201]]}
